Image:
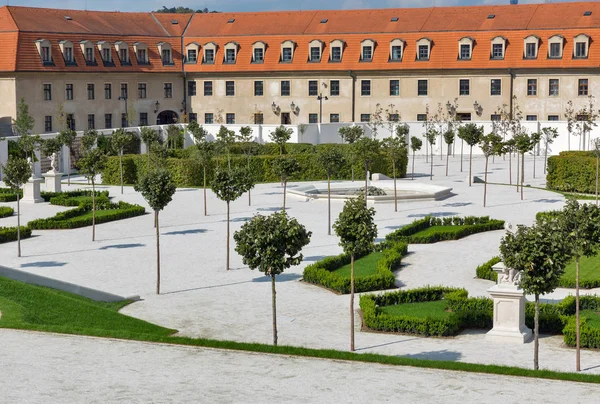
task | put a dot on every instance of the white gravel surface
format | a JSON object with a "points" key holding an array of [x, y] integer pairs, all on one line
{"points": [[50, 368]]}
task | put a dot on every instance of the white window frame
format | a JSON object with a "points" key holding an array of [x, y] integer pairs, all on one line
{"points": [[85, 44], [44, 43], [336, 43], [364, 44], [259, 45], [165, 46], [192, 46], [102, 46], [581, 38], [556, 39], [230, 46], [315, 43], [209, 46], [531, 39], [140, 46], [119, 47], [468, 41], [396, 42], [424, 42], [499, 40], [287, 44], [64, 45]]}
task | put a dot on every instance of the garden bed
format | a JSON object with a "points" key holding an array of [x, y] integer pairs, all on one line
{"points": [[6, 211], [432, 229], [9, 195], [8, 234], [371, 272]]}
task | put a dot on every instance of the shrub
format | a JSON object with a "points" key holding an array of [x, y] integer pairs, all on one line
{"points": [[60, 198], [484, 271], [320, 273], [572, 172], [10, 233], [9, 195], [589, 335], [6, 211]]}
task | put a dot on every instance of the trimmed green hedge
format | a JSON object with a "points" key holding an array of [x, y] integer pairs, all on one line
{"points": [[8, 234], [61, 196], [187, 172], [484, 271], [9, 195], [6, 211], [463, 227], [320, 273], [589, 336], [573, 171]]}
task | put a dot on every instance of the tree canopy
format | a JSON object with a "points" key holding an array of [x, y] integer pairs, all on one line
{"points": [[182, 10], [356, 227]]}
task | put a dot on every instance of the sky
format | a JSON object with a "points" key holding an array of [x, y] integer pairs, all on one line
{"points": [[250, 5]]}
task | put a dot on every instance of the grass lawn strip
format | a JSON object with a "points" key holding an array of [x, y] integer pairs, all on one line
{"points": [[37, 308], [435, 309], [364, 266]]}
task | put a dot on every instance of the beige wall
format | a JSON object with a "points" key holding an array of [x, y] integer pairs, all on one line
{"points": [[30, 86], [8, 104]]}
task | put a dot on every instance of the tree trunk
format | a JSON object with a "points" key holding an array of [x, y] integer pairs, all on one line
{"points": [[121, 168], [522, 173], [426, 152], [329, 204], [485, 180], [509, 168], [284, 191], [204, 172], [395, 191], [517, 173], [18, 222], [352, 302], [228, 160], [577, 329], [536, 333], [413, 166], [596, 181], [534, 162], [431, 165], [274, 307], [441, 148], [157, 253], [352, 173], [69, 167], [227, 261], [545, 158], [93, 209], [447, 158], [148, 154], [366, 181], [470, 165], [462, 142]]}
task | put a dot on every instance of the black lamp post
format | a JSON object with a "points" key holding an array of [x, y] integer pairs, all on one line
{"points": [[126, 113], [321, 98]]}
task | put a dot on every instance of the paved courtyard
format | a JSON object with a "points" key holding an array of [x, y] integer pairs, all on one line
{"points": [[201, 299]]}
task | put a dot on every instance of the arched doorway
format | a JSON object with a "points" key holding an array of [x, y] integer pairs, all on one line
{"points": [[167, 118]]}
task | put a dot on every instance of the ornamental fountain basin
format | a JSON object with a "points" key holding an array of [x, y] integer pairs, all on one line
{"points": [[406, 190]]}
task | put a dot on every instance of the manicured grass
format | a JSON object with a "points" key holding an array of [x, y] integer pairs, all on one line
{"points": [[31, 307], [364, 266], [589, 273], [433, 230], [593, 318], [435, 309]]}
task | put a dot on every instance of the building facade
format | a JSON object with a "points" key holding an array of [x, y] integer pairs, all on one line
{"points": [[86, 69]]}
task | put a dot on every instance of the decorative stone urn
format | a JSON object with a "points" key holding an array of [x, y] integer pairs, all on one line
{"points": [[509, 307]]}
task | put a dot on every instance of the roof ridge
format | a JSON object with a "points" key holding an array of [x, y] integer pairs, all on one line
{"points": [[537, 7], [159, 24]]}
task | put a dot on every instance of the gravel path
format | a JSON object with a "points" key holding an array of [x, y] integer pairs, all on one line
{"points": [[68, 369]]}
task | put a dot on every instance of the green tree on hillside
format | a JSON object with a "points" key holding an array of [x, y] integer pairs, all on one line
{"points": [[16, 174]]}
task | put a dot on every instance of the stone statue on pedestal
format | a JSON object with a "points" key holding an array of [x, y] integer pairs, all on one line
{"points": [[53, 162], [30, 162]]}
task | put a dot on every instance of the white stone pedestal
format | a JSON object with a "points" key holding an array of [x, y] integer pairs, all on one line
{"points": [[509, 309], [53, 180], [31, 193]]}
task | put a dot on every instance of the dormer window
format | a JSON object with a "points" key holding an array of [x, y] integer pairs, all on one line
{"points": [[555, 46], [580, 50], [287, 51], [532, 43], [191, 52], [465, 48], [166, 53], [230, 52], [210, 49], [498, 48], [366, 50], [141, 53], [258, 52], [44, 49], [423, 48], [316, 49], [105, 53], [87, 48], [336, 48], [396, 50], [123, 52], [66, 47]]}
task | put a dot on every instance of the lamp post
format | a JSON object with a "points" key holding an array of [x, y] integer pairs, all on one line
{"points": [[321, 98], [121, 98]]}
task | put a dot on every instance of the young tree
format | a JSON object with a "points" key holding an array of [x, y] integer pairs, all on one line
{"points": [[90, 165], [227, 138], [376, 120], [366, 151], [120, 139], [581, 231], [281, 135], [331, 159], [491, 145], [357, 230], [203, 154], [541, 254], [430, 136], [523, 143], [271, 244], [88, 140], [16, 174], [395, 148], [248, 148], [510, 148], [548, 136], [51, 146], [157, 188], [393, 119], [24, 123], [471, 134], [66, 137], [229, 185], [440, 120], [536, 137], [351, 134], [174, 137], [415, 145], [449, 139], [580, 122], [149, 136], [285, 167]]}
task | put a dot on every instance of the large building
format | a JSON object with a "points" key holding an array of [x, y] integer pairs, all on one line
{"points": [[101, 70]]}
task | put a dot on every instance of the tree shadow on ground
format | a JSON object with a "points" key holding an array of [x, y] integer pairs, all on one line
{"points": [[313, 258], [386, 344], [417, 175], [441, 355], [272, 193], [185, 232], [434, 214], [457, 204], [545, 200], [189, 189], [121, 246], [43, 264], [272, 209], [203, 287], [278, 278], [238, 219]]}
